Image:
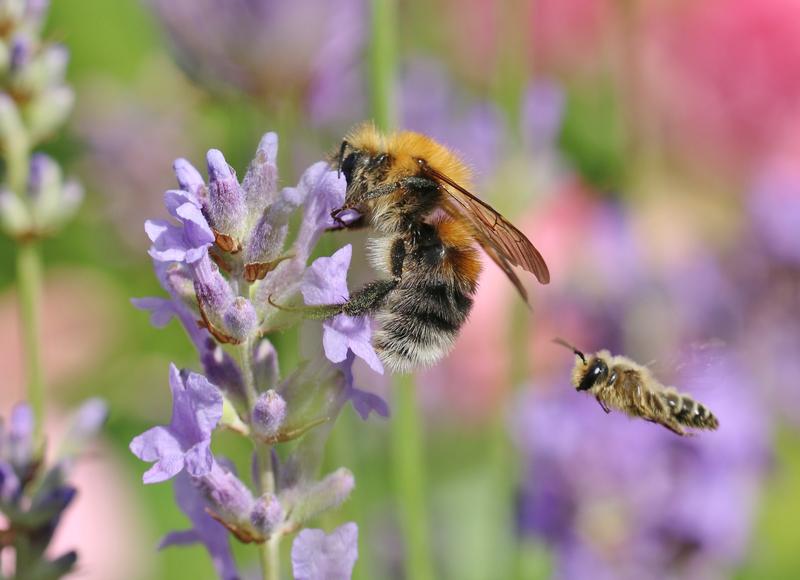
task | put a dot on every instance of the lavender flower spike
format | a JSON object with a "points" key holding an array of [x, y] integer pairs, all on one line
{"points": [[325, 282], [185, 442], [318, 556]]}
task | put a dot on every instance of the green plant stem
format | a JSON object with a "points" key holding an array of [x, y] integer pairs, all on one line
{"points": [[408, 459], [382, 63], [409, 474], [269, 551], [29, 280]]}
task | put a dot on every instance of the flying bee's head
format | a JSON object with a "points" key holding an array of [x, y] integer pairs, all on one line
{"points": [[587, 372], [363, 170], [594, 372]]}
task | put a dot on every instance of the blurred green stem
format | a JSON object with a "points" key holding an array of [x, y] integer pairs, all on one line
{"points": [[382, 63], [409, 464], [29, 280], [409, 468]]}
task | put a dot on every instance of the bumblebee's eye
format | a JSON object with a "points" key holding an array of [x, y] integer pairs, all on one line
{"points": [[381, 159], [596, 373], [348, 165]]}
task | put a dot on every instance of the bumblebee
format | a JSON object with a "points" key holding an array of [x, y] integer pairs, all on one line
{"points": [[619, 383], [413, 192]]}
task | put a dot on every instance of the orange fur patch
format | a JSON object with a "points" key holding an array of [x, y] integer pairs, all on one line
{"points": [[406, 147], [462, 256]]}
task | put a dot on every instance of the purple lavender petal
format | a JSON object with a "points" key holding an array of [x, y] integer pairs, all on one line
{"points": [[316, 555], [189, 178], [325, 282], [363, 402], [206, 529], [159, 445], [323, 191], [162, 310], [196, 410]]}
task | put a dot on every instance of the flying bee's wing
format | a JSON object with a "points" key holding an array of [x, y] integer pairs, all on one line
{"points": [[504, 243]]}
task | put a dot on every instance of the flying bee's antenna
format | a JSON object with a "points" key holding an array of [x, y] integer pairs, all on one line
{"points": [[342, 149], [563, 342]]}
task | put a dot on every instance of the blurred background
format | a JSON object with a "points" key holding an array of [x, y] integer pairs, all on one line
{"points": [[649, 148]]}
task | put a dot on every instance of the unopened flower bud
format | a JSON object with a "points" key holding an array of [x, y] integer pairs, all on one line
{"points": [[227, 210], [228, 497], [306, 502], [269, 413], [241, 320], [260, 181], [269, 234], [12, 130], [265, 365], [181, 283], [189, 179], [15, 216], [213, 292], [267, 514], [48, 111]]}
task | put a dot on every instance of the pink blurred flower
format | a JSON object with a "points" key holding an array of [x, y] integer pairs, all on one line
{"points": [[723, 73], [567, 34]]}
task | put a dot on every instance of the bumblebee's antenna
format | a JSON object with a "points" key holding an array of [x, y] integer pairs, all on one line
{"points": [[342, 149], [563, 342]]}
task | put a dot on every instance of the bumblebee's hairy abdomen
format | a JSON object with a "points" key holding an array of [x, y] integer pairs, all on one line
{"points": [[420, 324]]}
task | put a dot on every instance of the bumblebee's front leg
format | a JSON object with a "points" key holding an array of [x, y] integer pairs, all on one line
{"points": [[339, 224]]}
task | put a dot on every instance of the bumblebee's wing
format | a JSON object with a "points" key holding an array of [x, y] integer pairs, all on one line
{"points": [[504, 243]]}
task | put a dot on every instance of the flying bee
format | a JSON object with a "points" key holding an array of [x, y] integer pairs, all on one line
{"points": [[413, 192], [619, 383]]}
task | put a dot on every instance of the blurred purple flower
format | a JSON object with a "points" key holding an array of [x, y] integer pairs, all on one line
{"points": [[325, 282], [774, 204], [430, 103], [639, 498], [273, 51], [542, 114], [205, 529], [318, 556], [186, 441]]}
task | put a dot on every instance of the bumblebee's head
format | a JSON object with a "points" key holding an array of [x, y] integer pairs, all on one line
{"points": [[596, 372]]}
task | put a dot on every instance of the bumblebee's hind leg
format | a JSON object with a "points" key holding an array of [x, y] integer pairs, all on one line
{"points": [[361, 302], [369, 298]]}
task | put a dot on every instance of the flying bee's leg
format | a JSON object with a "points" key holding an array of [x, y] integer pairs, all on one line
{"points": [[603, 405]]}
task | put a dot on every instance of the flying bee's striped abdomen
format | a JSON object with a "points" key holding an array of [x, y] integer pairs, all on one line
{"points": [[689, 412], [419, 323]]}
